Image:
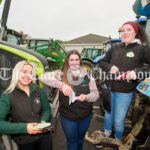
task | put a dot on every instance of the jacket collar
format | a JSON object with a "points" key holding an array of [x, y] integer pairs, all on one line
{"points": [[135, 42], [32, 87]]}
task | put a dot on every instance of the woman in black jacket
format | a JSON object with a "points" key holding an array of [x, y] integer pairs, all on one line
{"points": [[126, 62], [27, 105], [78, 91]]}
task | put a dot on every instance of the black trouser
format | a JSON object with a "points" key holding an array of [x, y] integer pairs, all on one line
{"points": [[43, 143]]}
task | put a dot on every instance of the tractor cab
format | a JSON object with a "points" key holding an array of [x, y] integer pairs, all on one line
{"points": [[37, 44], [111, 42], [12, 36], [91, 53], [53, 52], [88, 55], [10, 54]]}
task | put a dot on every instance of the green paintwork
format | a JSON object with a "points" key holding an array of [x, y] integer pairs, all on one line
{"points": [[31, 58], [90, 54], [53, 52]]}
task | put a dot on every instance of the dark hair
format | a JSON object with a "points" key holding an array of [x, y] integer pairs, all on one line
{"points": [[141, 34], [66, 64]]}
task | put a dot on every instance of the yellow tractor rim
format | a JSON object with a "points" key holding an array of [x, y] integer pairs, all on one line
{"points": [[87, 67]]}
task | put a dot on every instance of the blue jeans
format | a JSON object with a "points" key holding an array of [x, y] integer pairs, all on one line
{"points": [[120, 103], [75, 131]]}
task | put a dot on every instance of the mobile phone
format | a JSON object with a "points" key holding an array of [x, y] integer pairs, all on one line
{"points": [[42, 125]]}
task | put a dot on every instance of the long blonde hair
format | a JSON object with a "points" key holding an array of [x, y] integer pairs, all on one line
{"points": [[15, 75]]}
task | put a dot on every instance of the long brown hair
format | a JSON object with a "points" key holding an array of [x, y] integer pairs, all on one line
{"points": [[141, 34], [66, 65]]}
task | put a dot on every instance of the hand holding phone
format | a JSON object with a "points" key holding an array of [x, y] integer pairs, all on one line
{"points": [[42, 125]]}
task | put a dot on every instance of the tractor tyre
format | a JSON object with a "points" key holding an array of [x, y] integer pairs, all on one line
{"points": [[54, 103], [7, 143], [87, 64], [98, 75]]}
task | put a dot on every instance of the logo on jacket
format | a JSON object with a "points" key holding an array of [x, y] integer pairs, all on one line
{"points": [[130, 54], [84, 83]]}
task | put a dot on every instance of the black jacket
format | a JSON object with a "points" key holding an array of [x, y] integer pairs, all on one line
{"points": [[26, 109], [131, 57], [77, 110]]}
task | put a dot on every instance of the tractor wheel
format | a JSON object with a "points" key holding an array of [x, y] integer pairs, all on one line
{"points": [[54, 103], [102, 110], [52, 94], [97, 73], [87, 64]]}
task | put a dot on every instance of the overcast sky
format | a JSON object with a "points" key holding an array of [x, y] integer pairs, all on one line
{"points": [[69, 19]]}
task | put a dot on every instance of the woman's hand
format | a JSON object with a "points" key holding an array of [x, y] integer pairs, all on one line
{"points": [[131, 75], [67, 90], [47, 128], [82, 97], [114, 69], [32, 130], [43, 122]]}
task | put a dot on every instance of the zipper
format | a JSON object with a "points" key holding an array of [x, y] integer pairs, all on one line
{"points": [[124, 51], [31, 104], [29, 100]]}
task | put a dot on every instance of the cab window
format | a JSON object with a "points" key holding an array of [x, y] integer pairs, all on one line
{"points": [[7, 62]]}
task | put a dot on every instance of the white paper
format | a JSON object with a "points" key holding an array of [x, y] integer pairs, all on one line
{"points": [[73, 98]]}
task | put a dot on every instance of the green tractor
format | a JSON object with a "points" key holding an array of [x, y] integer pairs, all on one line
{"points": [[10, 54], [53, 52], [16, 40], [88, 55]]}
